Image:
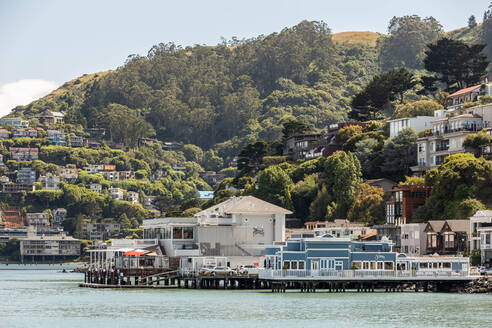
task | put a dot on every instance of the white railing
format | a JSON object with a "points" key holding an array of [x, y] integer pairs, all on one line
{"points": [[356, 274]]}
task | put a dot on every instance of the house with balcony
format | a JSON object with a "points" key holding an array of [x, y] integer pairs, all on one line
{"points": [[297, 146], [404, 201], [447, 237], [470, 94], [11, 217], [38, 220], [59, 215], [25, 133], [481, 235], [26, 176], [417, 124], [76, 141], [69, 174], [96, 187], [35, 247], [116, 193], [51, 117], [132, 197], [338, 228], [24, 154], [14, 122], [239, 226], [50, 181], [57, 137], [14, 188], [100, 231]]}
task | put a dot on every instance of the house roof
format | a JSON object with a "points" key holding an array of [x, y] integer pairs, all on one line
{"points": [[369, 235], [465, 90], [484, 213], [243, 204], [459, 225], [136, 252], [436, 225]]}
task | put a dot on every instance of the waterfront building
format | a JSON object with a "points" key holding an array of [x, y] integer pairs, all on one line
{"points": [[417, 124], [446, 237], [36, 248], [50, 181], [318, 256], [15, 122], [103, 255], [240, 226], [481, 235], [338, 228], [403, 202], [391, 232], [26, 176], [413, 239]]}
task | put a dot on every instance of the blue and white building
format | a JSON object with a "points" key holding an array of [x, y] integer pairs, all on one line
{"points": [[324, 256]]}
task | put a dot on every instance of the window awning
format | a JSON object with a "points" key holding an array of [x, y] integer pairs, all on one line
{"points": [[136, 252]]}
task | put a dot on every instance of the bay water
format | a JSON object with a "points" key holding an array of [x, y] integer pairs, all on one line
{"points": [[43, 296]]}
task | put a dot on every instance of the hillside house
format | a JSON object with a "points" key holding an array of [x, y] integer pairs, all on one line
{"points": [[116, 193], [68, 173], [24, 154], [417, 124], [96, 132], [59, 215], [14, 122], [481, 235], [57, 137], [76, 141], [13, 188], [50, 181], [96, 187], [100, 231], [50, 117], [297, 146], [4, 134], [11, 217], [473, 93], [38, 220], [132, 197], [25, 133], [26, 176]]}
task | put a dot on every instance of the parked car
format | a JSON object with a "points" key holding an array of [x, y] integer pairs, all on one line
{"points": [[207, 269], [248, 269], [222, 271]]}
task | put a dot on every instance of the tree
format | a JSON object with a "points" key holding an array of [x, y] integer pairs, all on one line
{"points": [[416, 108], [349, 131], [343, 174], [251, 157], [368, 206], [193, 153], [486, 31], [477, 141], [303, 194], [379, 93], [405, 45], [274, 186], [472, 22], [399, 155], [455, 63], [468, 207], [460, 177], [292, 127]]}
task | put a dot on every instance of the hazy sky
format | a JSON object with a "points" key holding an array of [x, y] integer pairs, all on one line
{"points": [[45, 43]]}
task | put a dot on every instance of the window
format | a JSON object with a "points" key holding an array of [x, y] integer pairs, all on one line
{"points": [[373, 266], [380, 265], [446, 265], [293, 265], [356, 265], [301, 265], [423, 265], [365, 265], [388, 265], [177, 233], [188, 233], [287, 265]]}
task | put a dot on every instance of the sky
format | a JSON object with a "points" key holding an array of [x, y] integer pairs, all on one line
{"points": [[46, 43]]}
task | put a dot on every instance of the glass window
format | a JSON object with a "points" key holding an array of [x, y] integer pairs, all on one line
{"points": [[380, 265], [446, 265], [388, 265], [287, 265], [373, 265], [188, 233], [301, 265], [177, 233], [423, 265], [356, 265], [293, 265], [366, 265]]}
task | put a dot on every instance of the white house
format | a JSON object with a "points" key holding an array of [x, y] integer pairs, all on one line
{"points": [[413, 239], [117, 193], [481, 235], [132, 197], [418, 123], [96, 187]]}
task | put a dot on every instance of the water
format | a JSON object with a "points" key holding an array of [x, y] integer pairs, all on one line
{"points": [[49, 298]]}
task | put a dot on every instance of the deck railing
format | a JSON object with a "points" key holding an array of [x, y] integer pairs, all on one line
{"points": [[357, 274]]}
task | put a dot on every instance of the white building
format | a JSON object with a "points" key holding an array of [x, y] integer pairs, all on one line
{"points": [[240, 226], [481, 235], [34, 247], [96, 187], [38, 220], [50, 181], [418, 123], [413, 239], [132, 197], [116, 193]]}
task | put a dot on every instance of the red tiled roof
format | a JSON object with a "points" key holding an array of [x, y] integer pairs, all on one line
{"points": [[465, 90]]}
